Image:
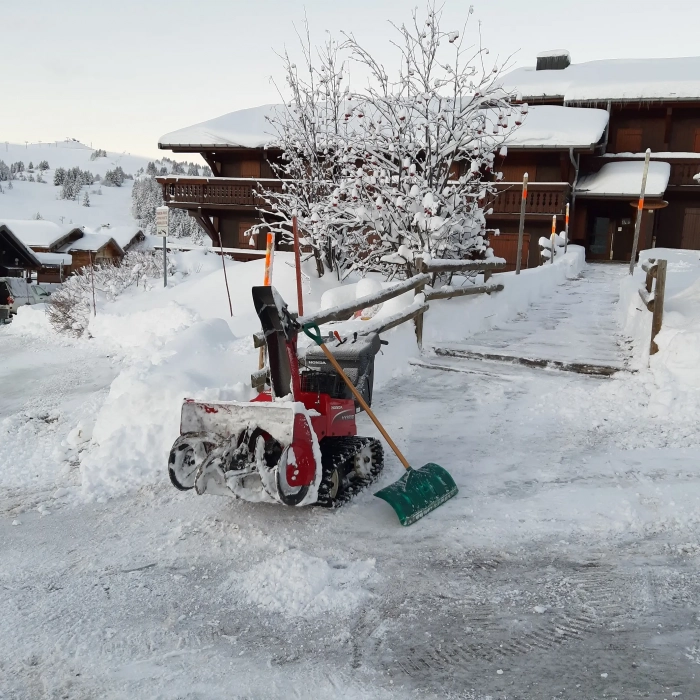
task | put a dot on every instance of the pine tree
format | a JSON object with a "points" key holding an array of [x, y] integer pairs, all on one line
{"points": [[31, 166], [151, 169], [59, 176], [86, 200], [31, 178]]}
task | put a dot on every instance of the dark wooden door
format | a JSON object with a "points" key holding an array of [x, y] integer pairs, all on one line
{"points": [[600, 238], [690, 237], [250, 168], [623, 238]]}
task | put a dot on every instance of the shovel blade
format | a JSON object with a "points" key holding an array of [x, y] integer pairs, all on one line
{"points": [[418, 492]]}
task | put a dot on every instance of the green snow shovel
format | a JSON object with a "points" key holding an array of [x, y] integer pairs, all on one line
{"points": [[418, 491]]}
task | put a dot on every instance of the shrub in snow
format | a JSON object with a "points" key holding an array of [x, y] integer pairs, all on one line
{"points": [[70, 307], [403, 165]]}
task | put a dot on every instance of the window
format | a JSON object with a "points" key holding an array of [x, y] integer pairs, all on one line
{"points": [[629, 141], [244, 238], [696, 141], [690, 237], [250, 168]]}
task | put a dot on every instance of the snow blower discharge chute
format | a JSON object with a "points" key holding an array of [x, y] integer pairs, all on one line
{"points": [[297, 442]]}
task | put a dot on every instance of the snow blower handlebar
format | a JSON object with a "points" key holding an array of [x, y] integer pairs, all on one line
{"points": [[313, 331]]}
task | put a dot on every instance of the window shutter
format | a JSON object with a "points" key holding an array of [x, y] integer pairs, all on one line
{"points": [[250, 168]]}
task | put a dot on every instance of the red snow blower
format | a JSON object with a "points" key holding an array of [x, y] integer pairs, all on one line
{"points": [[296, 443]]}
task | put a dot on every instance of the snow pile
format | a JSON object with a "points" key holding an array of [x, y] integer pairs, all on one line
{"points": [[625, 179], [297, 584], [673, 374], [139, 421]]}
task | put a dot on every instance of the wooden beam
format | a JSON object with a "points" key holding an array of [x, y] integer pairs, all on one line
{"points": [[216, 170], [460, 265], [343, 312], [386, 324], [578, 367], [205, 222], [463, 291]]}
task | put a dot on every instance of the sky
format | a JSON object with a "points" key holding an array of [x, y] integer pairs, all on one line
{"points": [[118, 74]]}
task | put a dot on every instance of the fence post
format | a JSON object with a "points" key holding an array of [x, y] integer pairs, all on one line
{"points": [[659, 293], [521, 228], [418, 320]]}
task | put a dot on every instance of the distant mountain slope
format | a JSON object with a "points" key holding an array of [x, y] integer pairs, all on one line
{"points": [[108, 205]]}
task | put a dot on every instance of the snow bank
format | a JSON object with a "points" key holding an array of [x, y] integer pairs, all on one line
{"points": [[296, 584], [672, 374]]}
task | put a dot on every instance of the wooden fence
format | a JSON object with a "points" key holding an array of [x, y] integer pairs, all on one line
{"points": [[653, 296], [428, 271]]}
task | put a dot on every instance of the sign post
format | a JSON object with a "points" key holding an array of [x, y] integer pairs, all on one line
{"points": [[162, 218]]}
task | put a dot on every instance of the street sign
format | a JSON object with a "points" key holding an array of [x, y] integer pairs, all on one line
{"points": [[162, 221]]}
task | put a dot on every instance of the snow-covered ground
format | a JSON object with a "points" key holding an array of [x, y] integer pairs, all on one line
{"points": [[566, 567]]}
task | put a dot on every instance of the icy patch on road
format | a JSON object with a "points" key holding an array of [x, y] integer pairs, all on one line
{"points": [[296, 584]]}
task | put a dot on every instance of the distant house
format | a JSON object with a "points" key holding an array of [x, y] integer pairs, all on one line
{"points": [[16, 258], [60, 250], [582, 143]]}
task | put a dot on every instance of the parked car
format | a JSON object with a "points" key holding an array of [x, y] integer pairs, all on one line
{"points": [[15, 292]]}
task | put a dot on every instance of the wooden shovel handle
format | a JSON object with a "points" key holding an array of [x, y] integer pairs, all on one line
{"points": [[364, 405]]}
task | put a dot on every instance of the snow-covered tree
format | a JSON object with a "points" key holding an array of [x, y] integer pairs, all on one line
{"points": [[193, 170], [402, 168], [59, 176], [86, 200], [151, 169], [309, 129], [30, 167], [44, 165]]}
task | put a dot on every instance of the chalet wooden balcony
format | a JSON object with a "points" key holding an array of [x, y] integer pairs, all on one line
{"points": [[682, 173], [215, 192], [543, 198]]}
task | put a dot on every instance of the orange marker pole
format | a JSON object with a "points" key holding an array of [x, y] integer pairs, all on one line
{"points": [[554, 238], [566, 229], [640, 211], [521, 229]]}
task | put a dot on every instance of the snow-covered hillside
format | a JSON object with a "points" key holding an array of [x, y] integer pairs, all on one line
{"points": [[25, 199]]}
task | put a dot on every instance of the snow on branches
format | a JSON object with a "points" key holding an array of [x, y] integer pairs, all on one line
{"points": [[401, 168]]}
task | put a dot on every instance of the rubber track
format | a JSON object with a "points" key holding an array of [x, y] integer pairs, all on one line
{"points": [[336, 452]]}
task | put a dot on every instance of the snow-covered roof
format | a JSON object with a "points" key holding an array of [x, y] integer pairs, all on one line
{"points": [[625, 180], [551, 126], [54, 259], [90, 242], [246, 128], [122, 235], [544, 127], [554, 53], [613, 79], [37, 233]]}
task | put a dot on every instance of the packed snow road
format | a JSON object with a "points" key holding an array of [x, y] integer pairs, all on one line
{"points": [[566, 567]]}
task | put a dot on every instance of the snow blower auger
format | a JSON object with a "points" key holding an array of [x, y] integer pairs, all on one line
{"points": [[295, 443], [418, 491]]}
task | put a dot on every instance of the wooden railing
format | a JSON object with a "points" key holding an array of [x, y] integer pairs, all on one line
{"points": [[653, 296], [542, 198], [682, 172], [215, 191]]}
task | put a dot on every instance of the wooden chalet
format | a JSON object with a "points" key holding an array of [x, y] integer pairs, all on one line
{"points": [[235, 146], [650, 103], [582, 142]]}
